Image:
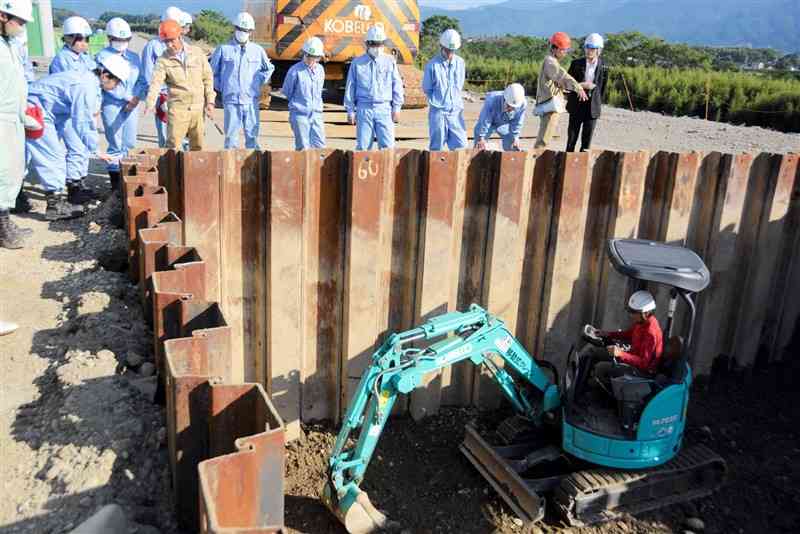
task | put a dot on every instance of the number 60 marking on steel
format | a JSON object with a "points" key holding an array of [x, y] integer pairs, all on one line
{"points": [[367, 167]]}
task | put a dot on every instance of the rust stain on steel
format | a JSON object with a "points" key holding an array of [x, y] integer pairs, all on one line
{"points": [[685, 177], [144, 198], [366, 182], [241, 486], [191, 361], [179, 279], [153, 242], [201, 212], [511, 182]]}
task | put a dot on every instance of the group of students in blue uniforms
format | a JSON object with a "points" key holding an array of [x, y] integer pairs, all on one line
{"points": [[373, 99]]}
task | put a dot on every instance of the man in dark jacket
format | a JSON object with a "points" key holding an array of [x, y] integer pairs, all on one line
{"points": [[591, 72]]}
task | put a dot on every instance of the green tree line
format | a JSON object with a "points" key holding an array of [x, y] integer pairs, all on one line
{"points": [[674, 79]]}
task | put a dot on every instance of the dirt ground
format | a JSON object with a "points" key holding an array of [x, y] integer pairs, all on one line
{"points": [[78, 428], [419, 477]]}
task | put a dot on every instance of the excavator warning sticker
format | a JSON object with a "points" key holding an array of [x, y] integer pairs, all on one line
{"points": [[503, 344], [665, 420], [466, 349]]}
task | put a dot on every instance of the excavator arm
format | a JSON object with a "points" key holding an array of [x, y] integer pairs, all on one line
{"points": [[398, 368]]}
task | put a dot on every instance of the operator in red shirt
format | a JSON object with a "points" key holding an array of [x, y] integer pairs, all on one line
{"points": [[645, 339]]}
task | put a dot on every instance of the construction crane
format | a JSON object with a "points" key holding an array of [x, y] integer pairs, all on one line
{"points": [[597, 453], [282, 26]]}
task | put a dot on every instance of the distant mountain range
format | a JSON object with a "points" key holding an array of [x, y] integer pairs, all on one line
{"points": [[757, 23]]}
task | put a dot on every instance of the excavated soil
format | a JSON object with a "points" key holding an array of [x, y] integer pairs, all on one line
{"points": [[419, 477]]}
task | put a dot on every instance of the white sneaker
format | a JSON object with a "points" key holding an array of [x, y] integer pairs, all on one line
{"points": [[7, 328]]}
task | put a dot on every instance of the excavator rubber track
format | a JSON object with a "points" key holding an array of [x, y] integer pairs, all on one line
{"points": [[597, 495]]}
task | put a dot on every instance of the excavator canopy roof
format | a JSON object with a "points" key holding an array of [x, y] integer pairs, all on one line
{"points": [[651, 261]]}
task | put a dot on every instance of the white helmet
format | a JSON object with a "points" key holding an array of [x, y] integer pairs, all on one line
{"points": [[642, 301], [450, 39], [116, 65], [514, 95], [186, 19], [314, 47], [593, 40], [77, 26], [245, 21], [118, 29], [19, 8], [376, 35], [172, 13]]}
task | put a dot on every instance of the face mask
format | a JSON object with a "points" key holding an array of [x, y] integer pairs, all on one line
{"points": [[119, 46], [12, 31], [374, 51], [241, 37]]}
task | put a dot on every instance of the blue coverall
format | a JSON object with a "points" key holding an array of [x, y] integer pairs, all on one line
{"points": [[442, 83], [121, 126], [68, 60], [494, 118], [239, 72], [374, 90], [303, 89], [68, 100], [150, 54]]}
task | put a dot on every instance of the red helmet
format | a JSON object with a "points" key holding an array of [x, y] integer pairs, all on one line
{"points": [[561, 40], [169, 29]]}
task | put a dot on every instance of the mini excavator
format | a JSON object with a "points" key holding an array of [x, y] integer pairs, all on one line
{"points": [[595, 454]]}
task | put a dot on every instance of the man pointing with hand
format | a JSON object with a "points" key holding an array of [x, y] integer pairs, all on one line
{"points": [[185, 71]]}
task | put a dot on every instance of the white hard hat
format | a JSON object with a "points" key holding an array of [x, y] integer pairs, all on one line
{"points": [[245, 21], [514, 95], [77, 26], [642, 301], [172, 13], [186, 19], [376, 34], [118, 28], [116, 65], [314, 47], [19, 8], [450, 39], [593, 40]]}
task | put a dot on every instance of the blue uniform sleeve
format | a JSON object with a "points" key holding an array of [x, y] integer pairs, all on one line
{"points": [[461, 75], [58, 64], [267, 68], [84, 104], [350, 90], [397, 90], [428, 80], [484, 121], [518, 122], [216, 57], [289, 84], [141, 86], [148, 62]]}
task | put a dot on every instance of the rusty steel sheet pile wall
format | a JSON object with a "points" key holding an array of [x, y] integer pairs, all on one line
{"points": [[209, 413], [314, 256]]}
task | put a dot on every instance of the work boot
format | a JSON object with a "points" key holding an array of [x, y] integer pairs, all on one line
{"points": [[59, 209], [7, 328], [79, 195], [23, 203], [10, 236]]}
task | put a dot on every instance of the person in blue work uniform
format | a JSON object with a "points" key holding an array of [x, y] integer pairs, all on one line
{"points": [[68, 99], [443, 82], [74, 56], [118, 108], [20, 44], [373, 95], [503, 112], [303, 89], [240, 69], [150, 54]]}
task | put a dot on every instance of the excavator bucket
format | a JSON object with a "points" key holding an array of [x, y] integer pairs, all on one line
{"points": [[357, 513]]}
